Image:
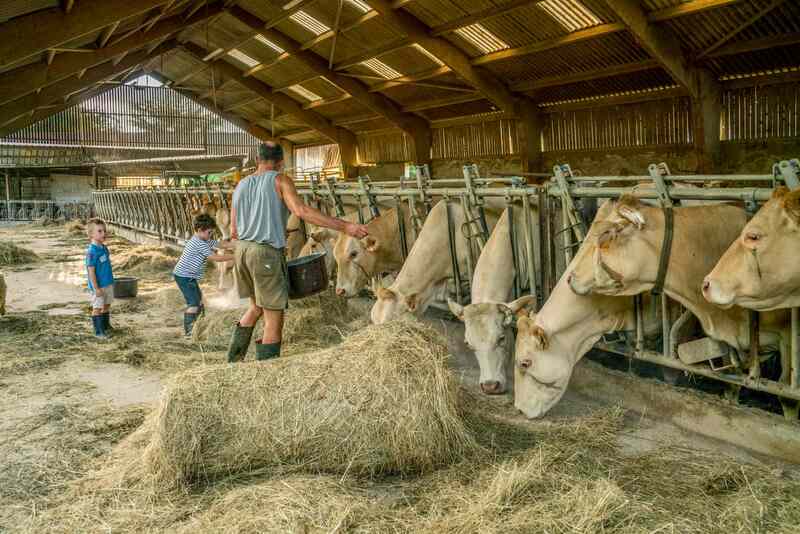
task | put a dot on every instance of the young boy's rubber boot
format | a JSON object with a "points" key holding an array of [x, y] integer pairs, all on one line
{"points": [[240, 342], [107, 322], [99, 330], [188, 322], [267, 351]]}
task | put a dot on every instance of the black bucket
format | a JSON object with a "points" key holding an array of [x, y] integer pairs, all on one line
{"points": [[125, 287], [307, 275]]}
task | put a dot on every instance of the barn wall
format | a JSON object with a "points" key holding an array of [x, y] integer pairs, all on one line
{"points": [[71, 188]]}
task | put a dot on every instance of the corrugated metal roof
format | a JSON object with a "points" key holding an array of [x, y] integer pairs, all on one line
{"points": [[10, 9], [640, 81]]}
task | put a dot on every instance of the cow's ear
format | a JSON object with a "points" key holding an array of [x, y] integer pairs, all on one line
{"points": [[370, 243], [412, 301], [780, 192], [631, 213], [791, 203], [384, 293], [456, 309], [516, 309]]}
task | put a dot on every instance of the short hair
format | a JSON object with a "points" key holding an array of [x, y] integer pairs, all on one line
{"points": [[270, 152], [204, 222], [93, 223]]}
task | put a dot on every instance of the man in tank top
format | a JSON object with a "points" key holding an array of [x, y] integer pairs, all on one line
{"points": [[261, 206]]}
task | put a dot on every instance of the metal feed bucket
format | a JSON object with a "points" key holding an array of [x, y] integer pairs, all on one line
{"points": [[125, 287], [307, 275]]}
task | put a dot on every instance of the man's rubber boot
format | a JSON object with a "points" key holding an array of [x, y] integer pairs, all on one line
{"points": [[267, 351], [240, 342], [188, 322], [99, 330], [107, 322]]}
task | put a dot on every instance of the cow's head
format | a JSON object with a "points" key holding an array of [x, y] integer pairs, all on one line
{"points": [[541, 370], [487, 331], [614, 258], [391, 304], [355, 263], [760, 269]]}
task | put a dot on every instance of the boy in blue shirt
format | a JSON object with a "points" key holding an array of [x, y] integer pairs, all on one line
{"points": [[101, 278], [192, 264]]}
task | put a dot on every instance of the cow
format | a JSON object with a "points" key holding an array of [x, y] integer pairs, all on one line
{"points": [[358, 261], [761, 269], [2, 295], [425, 273], [489, 316], [624, 255]]}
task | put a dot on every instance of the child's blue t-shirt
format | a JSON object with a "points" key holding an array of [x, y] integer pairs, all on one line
{"points": [[97, 256]]}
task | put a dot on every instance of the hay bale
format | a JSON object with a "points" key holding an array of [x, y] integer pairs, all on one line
{"points": [[75, 227], [11, 254], [145, 260], [381, 402], [168, 299], [310, 324]]}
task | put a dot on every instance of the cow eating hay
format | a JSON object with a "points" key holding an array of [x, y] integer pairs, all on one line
{"points": [[381, 402]]}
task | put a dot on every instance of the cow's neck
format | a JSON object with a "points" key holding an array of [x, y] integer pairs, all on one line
{"points": [[701, 235], [574, 323], [494, 273]]}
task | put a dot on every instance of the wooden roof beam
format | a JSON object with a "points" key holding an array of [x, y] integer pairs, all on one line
{"points": [[36, 32], [286, 103], [659, 42], [23, 80], [606, 72], [57, 92], [494, 89], [376, 102]]}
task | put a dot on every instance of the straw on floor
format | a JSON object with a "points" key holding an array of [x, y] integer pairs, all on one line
{"points": [[145, 260], [12, 254]]}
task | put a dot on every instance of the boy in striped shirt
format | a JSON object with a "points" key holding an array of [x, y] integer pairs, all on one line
{"points": [[192, 264]]}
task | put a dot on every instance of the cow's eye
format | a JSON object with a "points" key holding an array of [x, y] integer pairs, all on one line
{"points": [[353, 254], [752, 236]]}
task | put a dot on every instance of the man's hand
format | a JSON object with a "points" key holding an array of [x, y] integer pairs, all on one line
{"points": [[99, 292], [356, 230]]}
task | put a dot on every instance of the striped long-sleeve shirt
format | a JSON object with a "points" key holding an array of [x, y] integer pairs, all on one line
{"points": [[192, 263]]}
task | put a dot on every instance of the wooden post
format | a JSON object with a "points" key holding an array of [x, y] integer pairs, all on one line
{"points": [[422, 146], [706, 113], [94, 178], [531, 142], [347, 152], [8, 187], [288, 155]]}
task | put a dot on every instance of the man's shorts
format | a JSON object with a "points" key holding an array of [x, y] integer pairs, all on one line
{"points": [[261, 274], [191, 291], [105, 300]]}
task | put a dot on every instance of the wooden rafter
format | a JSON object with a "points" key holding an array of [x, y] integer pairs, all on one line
{"points": [[23, 80], [659, 42], [57, 92], [736, 31], [605, 72], [34, 33], [286, 103], [494, 89], [102, 41], [376, 102]]}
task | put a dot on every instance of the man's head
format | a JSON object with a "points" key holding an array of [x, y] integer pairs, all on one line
{"points": [[270, 155], [96, 229], [204, 226]]}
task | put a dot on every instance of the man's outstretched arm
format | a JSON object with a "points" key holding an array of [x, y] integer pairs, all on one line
{"points": [[296, 205]]}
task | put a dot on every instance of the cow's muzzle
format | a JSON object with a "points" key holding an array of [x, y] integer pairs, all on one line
{"points": [[492, 387]]}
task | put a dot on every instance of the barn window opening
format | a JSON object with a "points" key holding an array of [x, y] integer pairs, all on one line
{"points": [[266, 42], [482, 39], [240, 56], [359, 5], [571, 14], [382, 69], [305, 93], [422, 50], [310, 23], [145, 80]]}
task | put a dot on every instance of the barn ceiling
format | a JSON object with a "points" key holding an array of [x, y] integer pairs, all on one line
{"points": [[317, 70]]}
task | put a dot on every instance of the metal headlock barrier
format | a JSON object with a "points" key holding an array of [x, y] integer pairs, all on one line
{"points": [[548, 241], [32, 210]]}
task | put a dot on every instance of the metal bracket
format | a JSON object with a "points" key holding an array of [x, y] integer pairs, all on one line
{"points": [[788, 171], [657, 173], [562, 173], [365, 185], [337, 202]]}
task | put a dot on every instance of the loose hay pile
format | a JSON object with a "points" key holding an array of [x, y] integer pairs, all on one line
{"points": [[75, 227], [381, 402], [312, 323], [11, 254], [145, 261]]}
